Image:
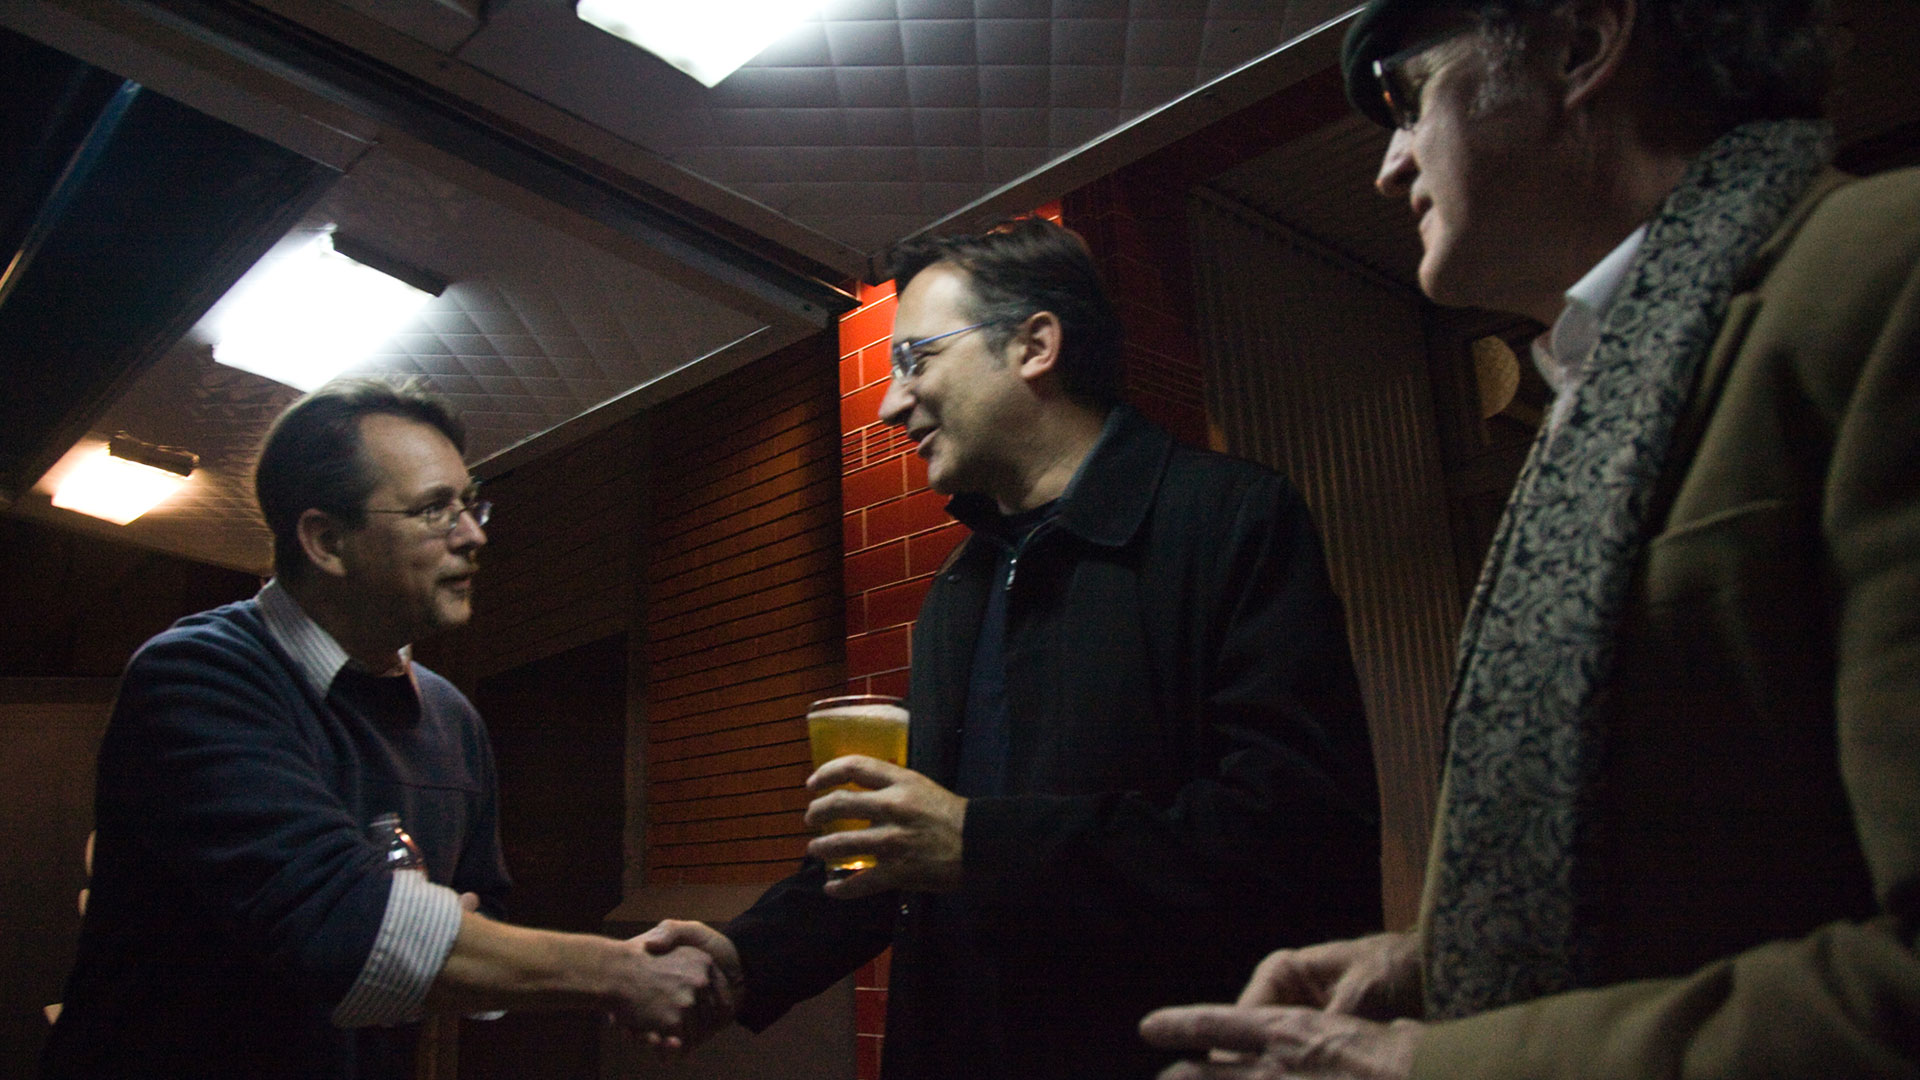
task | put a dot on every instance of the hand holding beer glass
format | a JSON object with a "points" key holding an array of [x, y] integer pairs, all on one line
{"points": [[871, 724]]}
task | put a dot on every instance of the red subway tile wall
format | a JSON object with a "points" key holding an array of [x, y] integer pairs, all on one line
{"points": [[744, 619], [885, 509]]}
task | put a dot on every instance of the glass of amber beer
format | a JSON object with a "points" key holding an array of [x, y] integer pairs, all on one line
{"points": [[870, 724]]}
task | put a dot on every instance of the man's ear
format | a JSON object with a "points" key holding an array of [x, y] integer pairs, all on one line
{"points": [[1038, 344], [1596, 45], [322, 538]]}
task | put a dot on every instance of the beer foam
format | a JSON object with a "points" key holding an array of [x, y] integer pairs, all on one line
{"points": [[876, 713]]}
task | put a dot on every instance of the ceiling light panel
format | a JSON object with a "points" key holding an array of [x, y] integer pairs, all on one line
{"points": [[707, 39], [305, 313], [114, 488]]}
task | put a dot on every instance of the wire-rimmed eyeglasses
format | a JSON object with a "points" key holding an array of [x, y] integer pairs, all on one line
{"points": [[1398, 91], [444, 516], [908, 362]]}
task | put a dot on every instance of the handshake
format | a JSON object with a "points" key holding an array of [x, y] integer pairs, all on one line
{"points": [[681, 984]]}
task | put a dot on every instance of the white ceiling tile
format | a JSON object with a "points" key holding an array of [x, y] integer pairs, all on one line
{"points": [[1163, 42], [1071, 127], [868, 43], [1145, 87], [456, 385], [483, 321], [442, 319], [1257, 10], [1012, 9], [899, 199], [505, 387], [1088, 41], [1015, 160], [935, 9], [1091, 9], [1013, 41], [789, 87], [1015, 86], [1230, 43], [1131, 55], [872, 87], [878, 127], [538, 366], [954, 164], [814, 129], [1088, 87], [943, 87], [803, 46], [859, 10], [1002, 128], [937, 41], [935, 196], [946, 127], [466, 344]]}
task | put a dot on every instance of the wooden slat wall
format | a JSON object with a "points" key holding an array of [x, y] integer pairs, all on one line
{"points": [[1320, 371], [744, 619]]}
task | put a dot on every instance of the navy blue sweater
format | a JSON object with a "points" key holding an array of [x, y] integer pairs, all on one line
{"points": [[235, 894]]}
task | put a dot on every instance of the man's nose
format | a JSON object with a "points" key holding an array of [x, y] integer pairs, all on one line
{"points": [[897, 404], [467, 532], [1396, 166]]}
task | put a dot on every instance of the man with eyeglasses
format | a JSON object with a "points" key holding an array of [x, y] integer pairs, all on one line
{"points": [[1679, 832], [244, 921], [1137, 753]]}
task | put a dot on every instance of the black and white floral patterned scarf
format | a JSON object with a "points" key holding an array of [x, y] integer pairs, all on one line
{"points": [[1504, 924]]}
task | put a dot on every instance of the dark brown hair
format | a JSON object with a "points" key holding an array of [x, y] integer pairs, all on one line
{"points": [[1025, 266], [311, 457]]}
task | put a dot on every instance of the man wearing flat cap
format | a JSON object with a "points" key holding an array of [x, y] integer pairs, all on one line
{"points": [[1679, 833]]}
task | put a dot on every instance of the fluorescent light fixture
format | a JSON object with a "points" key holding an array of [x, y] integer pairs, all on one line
{"points": [[123, 479], [707, 39], [306, 313]]}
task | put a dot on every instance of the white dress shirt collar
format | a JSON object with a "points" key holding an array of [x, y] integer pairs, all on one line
{"points": [[1562, 353], [314, 651]]}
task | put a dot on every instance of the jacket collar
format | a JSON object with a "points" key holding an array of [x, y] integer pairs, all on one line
{"points": [[1110, 492]]}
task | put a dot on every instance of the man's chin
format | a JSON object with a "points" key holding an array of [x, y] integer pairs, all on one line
{"points": [[451, 613]]}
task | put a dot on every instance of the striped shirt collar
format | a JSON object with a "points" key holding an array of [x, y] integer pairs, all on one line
{"points": [[314, 651]]}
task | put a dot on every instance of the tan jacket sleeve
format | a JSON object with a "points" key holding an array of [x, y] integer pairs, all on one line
{"points": [[1845, 1000]]}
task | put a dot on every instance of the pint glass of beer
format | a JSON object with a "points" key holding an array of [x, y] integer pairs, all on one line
{"points": [[870, 724]]}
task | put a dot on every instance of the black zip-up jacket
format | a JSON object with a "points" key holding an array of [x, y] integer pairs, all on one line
{"points": [[1190, 781]]}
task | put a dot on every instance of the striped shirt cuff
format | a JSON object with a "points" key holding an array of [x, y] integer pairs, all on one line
{"points": [[416, 934]]}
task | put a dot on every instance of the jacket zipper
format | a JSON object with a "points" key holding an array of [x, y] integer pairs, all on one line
{"points": [[1013, 560]]}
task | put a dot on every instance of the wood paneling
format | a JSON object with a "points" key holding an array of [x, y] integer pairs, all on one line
{"points": [[1319, 369], [49, 736]]}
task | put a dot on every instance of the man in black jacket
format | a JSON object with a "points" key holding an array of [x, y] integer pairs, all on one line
{"points": [[1137, 759]]}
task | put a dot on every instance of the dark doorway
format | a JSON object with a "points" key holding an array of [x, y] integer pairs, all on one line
{"points": [[559, 728]]}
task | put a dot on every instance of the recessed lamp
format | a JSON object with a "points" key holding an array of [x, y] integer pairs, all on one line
{"points": [[307, 312], [707, 39], [123, 479]]}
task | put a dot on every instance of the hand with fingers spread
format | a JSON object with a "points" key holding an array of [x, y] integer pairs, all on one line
{"points": [[1376, 977], [1267, 1042], [913, 833]]}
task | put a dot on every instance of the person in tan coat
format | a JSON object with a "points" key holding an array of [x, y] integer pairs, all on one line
{"points": [[1679, 833]]}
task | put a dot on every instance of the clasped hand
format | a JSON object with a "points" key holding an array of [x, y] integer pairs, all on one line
{"points": [[689, 987], [1326, 1011], [913, 835]]}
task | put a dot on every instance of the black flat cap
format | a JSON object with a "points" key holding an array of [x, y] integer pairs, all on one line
{"points": [[1376, 33]]}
